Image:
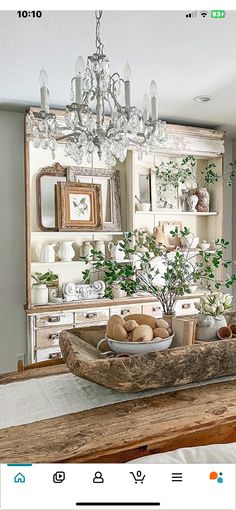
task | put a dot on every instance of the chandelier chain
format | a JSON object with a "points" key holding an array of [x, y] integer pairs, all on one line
{"points": [[99, 45]]}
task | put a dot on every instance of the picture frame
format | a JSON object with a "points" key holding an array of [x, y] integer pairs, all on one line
{"points": [[167, 226], [167, 197], [78, 206], [109, 179]]}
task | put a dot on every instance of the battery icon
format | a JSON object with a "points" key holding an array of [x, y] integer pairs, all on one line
{"points": [[218, 14]]}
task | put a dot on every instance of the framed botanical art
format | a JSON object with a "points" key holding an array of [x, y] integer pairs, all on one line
{"points": [[109, 179], [78, 206]]}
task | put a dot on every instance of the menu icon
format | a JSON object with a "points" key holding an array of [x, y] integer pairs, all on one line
{"points": [[177, 477]]}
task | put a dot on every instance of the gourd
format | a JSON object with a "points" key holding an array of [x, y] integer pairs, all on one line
{"points": [[114, 319], [161, 332], [142, 333], [119, 333], [130, 325], [142, 318], [161, 323]]}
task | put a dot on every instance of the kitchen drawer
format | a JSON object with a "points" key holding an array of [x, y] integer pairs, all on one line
{"points": [[92, 316], [49, 337], [53, 318], [154, 309], [125, 310], [185, 307], [45, 354]]}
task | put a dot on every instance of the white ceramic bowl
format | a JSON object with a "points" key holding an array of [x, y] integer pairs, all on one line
{"points": [[189, 242], [139, 347]]}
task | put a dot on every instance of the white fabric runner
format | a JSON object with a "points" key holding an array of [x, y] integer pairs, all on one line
{"points": [[211, 454], [58, 395]]}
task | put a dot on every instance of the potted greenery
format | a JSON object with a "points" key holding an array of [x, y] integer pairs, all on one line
{"points": [[211, 314], [119, 278], [169, 275], [40, 287], [173, 173]]}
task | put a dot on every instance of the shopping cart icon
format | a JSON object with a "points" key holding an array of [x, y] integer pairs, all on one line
{"points": [[138, 477]]}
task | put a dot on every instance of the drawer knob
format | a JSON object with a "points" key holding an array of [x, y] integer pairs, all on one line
{"points": [[156, 308], [124, 312], [186, 306], [55, 318], [91, 315], [54, 355], [54, 337]]}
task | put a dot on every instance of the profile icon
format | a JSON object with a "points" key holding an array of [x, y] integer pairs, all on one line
{"points": [[98, 478]]}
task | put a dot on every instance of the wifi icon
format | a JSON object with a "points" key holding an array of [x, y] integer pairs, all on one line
{"points": [[204, 14]]}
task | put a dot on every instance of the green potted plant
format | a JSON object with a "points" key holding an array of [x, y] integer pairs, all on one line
{"points": [[173, 173], [119, 277], [40, 286]]}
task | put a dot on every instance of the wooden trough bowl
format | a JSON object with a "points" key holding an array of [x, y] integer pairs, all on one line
{"points": [[173, 367]]}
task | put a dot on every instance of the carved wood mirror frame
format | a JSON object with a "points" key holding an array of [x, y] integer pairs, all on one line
{"points": [[55, 170], [72, 174]]}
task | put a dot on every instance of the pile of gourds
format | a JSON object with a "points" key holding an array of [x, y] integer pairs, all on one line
{"points": [[137, 328]]}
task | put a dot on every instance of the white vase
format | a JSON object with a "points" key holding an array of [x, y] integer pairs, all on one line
{"points": [[192, 201], [87, 248], [208, 325], [117, 291], [39, 294], [116, 251], [66, 252], [46, 252], [99, 246]]}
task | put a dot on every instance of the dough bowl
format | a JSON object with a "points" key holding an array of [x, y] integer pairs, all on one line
{"points": [[172, 367]]}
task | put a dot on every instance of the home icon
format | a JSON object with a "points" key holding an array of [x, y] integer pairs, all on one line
{"points": [[19, 478]]}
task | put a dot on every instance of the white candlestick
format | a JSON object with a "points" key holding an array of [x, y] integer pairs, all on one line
{"points": [[127, 94], [154, 108], [44, 99], [78, 89]]}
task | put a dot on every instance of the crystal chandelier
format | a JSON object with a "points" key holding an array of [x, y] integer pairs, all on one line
{"points": [[95, 121]]}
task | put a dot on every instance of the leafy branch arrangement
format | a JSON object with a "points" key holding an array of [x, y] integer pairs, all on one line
{"points": [[44, 278], [173, 173], [114, 272], [183, 269], [180, 270]]}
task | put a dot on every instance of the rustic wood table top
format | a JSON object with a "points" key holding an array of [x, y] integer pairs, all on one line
{"points": [[123, 431]]}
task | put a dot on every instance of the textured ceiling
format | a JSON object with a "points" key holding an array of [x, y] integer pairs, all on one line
{"points": [[186, 57]]}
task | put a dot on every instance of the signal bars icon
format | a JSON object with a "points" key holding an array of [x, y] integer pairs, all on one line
{"points": [[191, 14]]}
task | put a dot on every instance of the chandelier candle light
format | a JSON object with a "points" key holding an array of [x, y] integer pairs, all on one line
{"points": [[95, 121]]}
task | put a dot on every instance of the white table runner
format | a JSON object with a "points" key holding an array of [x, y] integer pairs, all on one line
{"points": [[58, 395]]}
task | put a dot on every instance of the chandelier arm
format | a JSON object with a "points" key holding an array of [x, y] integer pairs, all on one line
{"points": [[117, 104]]}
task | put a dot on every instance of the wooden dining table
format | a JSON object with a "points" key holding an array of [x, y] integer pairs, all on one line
{"points": [[123, 431]]}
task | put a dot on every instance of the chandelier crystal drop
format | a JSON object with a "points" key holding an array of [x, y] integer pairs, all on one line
{"points": [[95, 121]]}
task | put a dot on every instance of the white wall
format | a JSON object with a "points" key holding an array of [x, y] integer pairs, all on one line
{"points": [[227, 218], [234, 218], [12, 259]]}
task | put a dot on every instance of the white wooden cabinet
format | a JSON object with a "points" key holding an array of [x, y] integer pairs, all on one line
{"points": [[45, 323]]}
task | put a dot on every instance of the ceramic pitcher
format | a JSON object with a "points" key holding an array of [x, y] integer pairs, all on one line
{"points": [[46, 252], [66, 252], [116, 251]]}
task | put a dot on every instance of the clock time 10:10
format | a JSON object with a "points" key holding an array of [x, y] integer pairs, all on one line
{"points": [[29, 14]]}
